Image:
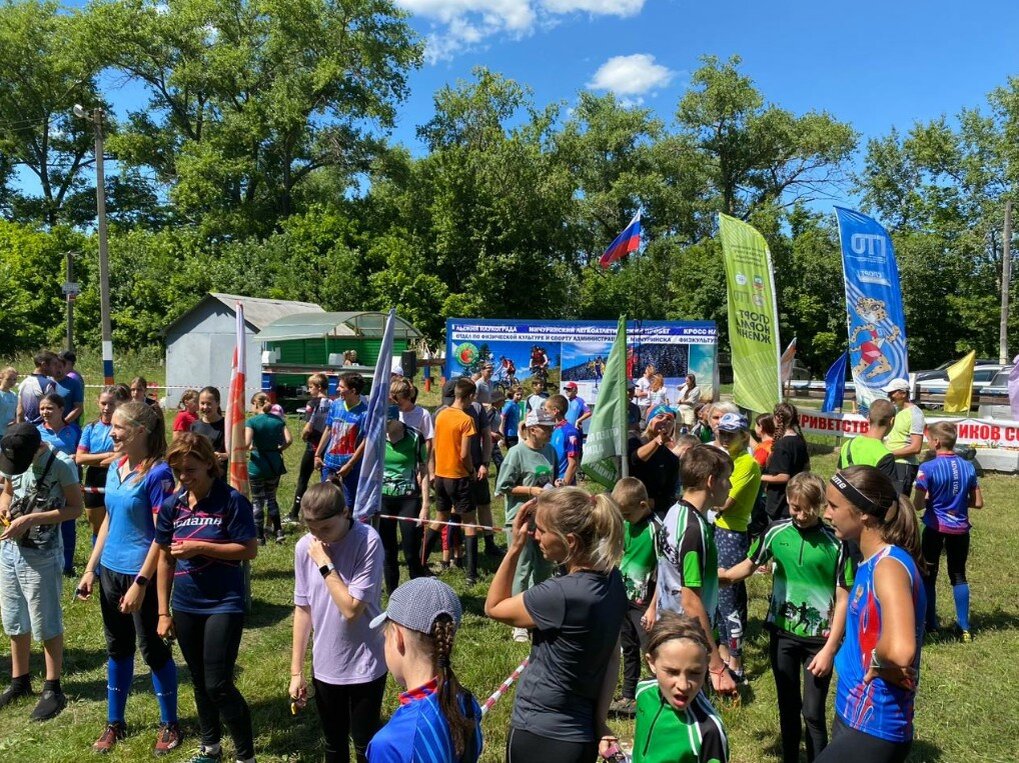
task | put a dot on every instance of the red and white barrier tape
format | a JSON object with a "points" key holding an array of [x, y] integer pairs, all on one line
{"points": [[498, 693], [439, 522]]}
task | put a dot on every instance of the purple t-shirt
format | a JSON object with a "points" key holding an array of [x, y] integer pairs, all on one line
{"points": [[343, 651]]}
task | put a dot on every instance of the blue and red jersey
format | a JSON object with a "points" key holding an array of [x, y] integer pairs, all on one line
{"points": [[878, 708], [566, 443], [345, 429], [949, 481]]}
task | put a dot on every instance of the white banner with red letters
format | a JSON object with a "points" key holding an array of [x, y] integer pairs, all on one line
{"points": [[980, 433]]}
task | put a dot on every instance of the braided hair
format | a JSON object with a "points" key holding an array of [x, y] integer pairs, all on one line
{"points": [[461, 727], [786, 417]]}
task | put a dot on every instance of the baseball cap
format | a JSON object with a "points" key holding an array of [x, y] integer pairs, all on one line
{"points": [[418, 603], [18, 447], [570, 385], [448, 391], [277, 410], [896, 385], [539, 418], [393, 413], [733, 422], [396, 367]]}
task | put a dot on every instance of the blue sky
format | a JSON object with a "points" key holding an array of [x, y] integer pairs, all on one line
{"points": [[874, 64]]}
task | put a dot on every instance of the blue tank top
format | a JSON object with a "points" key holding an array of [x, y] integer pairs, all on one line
{"points": [[878, 708]]}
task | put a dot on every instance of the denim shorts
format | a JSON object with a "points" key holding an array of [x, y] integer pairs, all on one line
{"points": [[31, 587]]}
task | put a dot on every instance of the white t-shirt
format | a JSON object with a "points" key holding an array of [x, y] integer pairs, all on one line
{"points": [[644, 385], [418, 418], [689, 396]]}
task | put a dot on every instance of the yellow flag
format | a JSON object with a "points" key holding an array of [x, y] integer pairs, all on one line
{"points": [[959, 394]]}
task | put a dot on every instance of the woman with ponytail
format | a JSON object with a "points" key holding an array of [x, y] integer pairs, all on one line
{"points": [[879, 661], [124, 561], [438, 720], [563, 698], [789, 457]]}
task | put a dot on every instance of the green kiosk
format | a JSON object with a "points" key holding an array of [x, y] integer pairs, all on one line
{"points": [[301, 344]]}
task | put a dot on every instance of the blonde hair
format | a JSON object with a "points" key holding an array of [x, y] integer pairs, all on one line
{"points": [[807, 489], [594, 520], [188, 396], [629, 491], [142, 415]]}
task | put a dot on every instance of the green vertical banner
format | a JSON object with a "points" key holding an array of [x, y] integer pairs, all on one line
{"points": [[753, 316], [604, 458]]}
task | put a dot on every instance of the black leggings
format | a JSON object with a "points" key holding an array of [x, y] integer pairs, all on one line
{"points": [[525, 747], [789, 660], [122, 630], [633, 641], [850, 746], [411, 534], [352, 710], [956, 549], [304, 475], [209, 644]]}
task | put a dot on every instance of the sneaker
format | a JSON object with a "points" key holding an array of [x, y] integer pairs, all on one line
{"points": [[624, 706], [471, 581], [168, 738], [13, 693], [521, 636], [280, 537], [967, 637], [115, 732], [50, 705], [261, 540], [204, 756]]}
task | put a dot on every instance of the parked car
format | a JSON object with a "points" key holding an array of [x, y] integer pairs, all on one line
{"points": [[999, 407], [982, 378], [941, 372]]}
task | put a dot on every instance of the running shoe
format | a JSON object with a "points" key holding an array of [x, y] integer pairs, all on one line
{"points": [[115, 732], [520, 635], [50, 705], [280, 537], [624, 706], [14, 692], [967, 637], [168, 738], [204, 756]]}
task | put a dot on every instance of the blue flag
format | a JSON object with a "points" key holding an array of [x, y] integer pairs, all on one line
{"points": [[875, 319], [369, 482], [835, 384]]}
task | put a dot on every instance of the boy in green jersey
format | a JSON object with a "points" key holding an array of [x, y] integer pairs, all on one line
{"points": [[675, 721], [807, 614], [638, 568], [869, 449]]}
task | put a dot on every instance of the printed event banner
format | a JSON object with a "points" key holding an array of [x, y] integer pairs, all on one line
{"points": [[753, 316], [604, 457], [578, 351], [875, 320], [986, 433]]}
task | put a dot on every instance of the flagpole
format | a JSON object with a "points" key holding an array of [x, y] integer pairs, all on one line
{"points": [[624, 462], [774, 319]]}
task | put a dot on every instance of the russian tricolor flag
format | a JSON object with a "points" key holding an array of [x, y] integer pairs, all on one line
{"points": [[626, 242]]}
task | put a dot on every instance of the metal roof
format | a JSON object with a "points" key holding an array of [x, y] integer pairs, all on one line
{"points": [[321, 324], [258, 312]]}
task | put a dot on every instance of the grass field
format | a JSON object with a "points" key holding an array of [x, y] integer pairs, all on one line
{"points": [[967, 708]]}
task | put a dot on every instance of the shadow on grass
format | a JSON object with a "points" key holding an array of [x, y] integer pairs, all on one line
{"points": [[998, 620], [923, 751], [273, 574], [265, 614]]}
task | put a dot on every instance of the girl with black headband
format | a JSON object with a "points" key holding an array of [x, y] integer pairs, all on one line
{"points": [[879, 661]]}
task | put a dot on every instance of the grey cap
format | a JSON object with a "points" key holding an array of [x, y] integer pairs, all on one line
{"points": [[539, 417], [418, 603]]}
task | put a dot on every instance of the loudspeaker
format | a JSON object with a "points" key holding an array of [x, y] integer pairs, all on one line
{"points": [[409, 361]]}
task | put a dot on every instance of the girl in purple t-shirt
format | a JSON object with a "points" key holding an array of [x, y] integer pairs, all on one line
{"points": [[337, 591]]}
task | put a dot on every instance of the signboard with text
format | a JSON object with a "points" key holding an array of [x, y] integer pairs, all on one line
{"points": [[980, 433]]}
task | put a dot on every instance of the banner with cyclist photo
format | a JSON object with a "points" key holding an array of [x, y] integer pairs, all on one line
{"points": [[577, 351]]}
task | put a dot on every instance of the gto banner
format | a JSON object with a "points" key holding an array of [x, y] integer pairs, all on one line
{"points": [[981, 433]]}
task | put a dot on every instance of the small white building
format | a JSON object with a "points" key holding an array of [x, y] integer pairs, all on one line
{"points": [[200, 343]]}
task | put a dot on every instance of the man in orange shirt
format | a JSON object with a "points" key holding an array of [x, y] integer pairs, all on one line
{"points": [[454, 470]]}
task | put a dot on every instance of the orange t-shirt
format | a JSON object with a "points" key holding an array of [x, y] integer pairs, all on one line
{"points": [[451, 426], [763, 452]]}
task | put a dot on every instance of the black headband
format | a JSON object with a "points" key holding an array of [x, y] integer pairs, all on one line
{"points": [[858, 499]]}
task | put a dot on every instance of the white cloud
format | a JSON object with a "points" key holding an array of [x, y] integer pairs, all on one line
{"points": [[631, 75], [457, 25]]}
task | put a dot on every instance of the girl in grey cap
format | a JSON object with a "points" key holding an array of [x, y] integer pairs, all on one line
{"points": [[438, 720]]}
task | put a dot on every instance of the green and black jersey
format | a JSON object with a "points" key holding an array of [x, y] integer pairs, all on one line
{"points": [[639, 564], [666, 735], [687, 558], [809, 565]]}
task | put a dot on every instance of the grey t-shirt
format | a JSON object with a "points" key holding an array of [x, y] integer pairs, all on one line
{"points": [[524, 465], [62, 473], [484, 391], [578, 617]]}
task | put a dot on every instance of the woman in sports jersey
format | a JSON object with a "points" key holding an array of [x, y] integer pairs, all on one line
{"points": [[204, 532], [807, 614], [879, 661], [124, 561], [95, 453]]}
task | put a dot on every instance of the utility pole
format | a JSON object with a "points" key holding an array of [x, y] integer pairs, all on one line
{"points": [[96, 117], [1006, 282], [70, 296]]}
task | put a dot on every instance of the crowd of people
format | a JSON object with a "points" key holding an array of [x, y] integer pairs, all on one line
{"points": [[648, 577]]}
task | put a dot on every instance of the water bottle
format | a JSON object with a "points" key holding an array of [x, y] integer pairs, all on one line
{"points": [[735, 632]]}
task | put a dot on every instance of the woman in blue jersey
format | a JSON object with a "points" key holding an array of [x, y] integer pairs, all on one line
{"points": [[64, 438], [125, 558], [879, 661], [204, 532], [95, 453], [438, 720]]}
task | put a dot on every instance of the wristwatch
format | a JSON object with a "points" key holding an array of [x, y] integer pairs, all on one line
{"points": [[141, 580], [325, 569]]}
